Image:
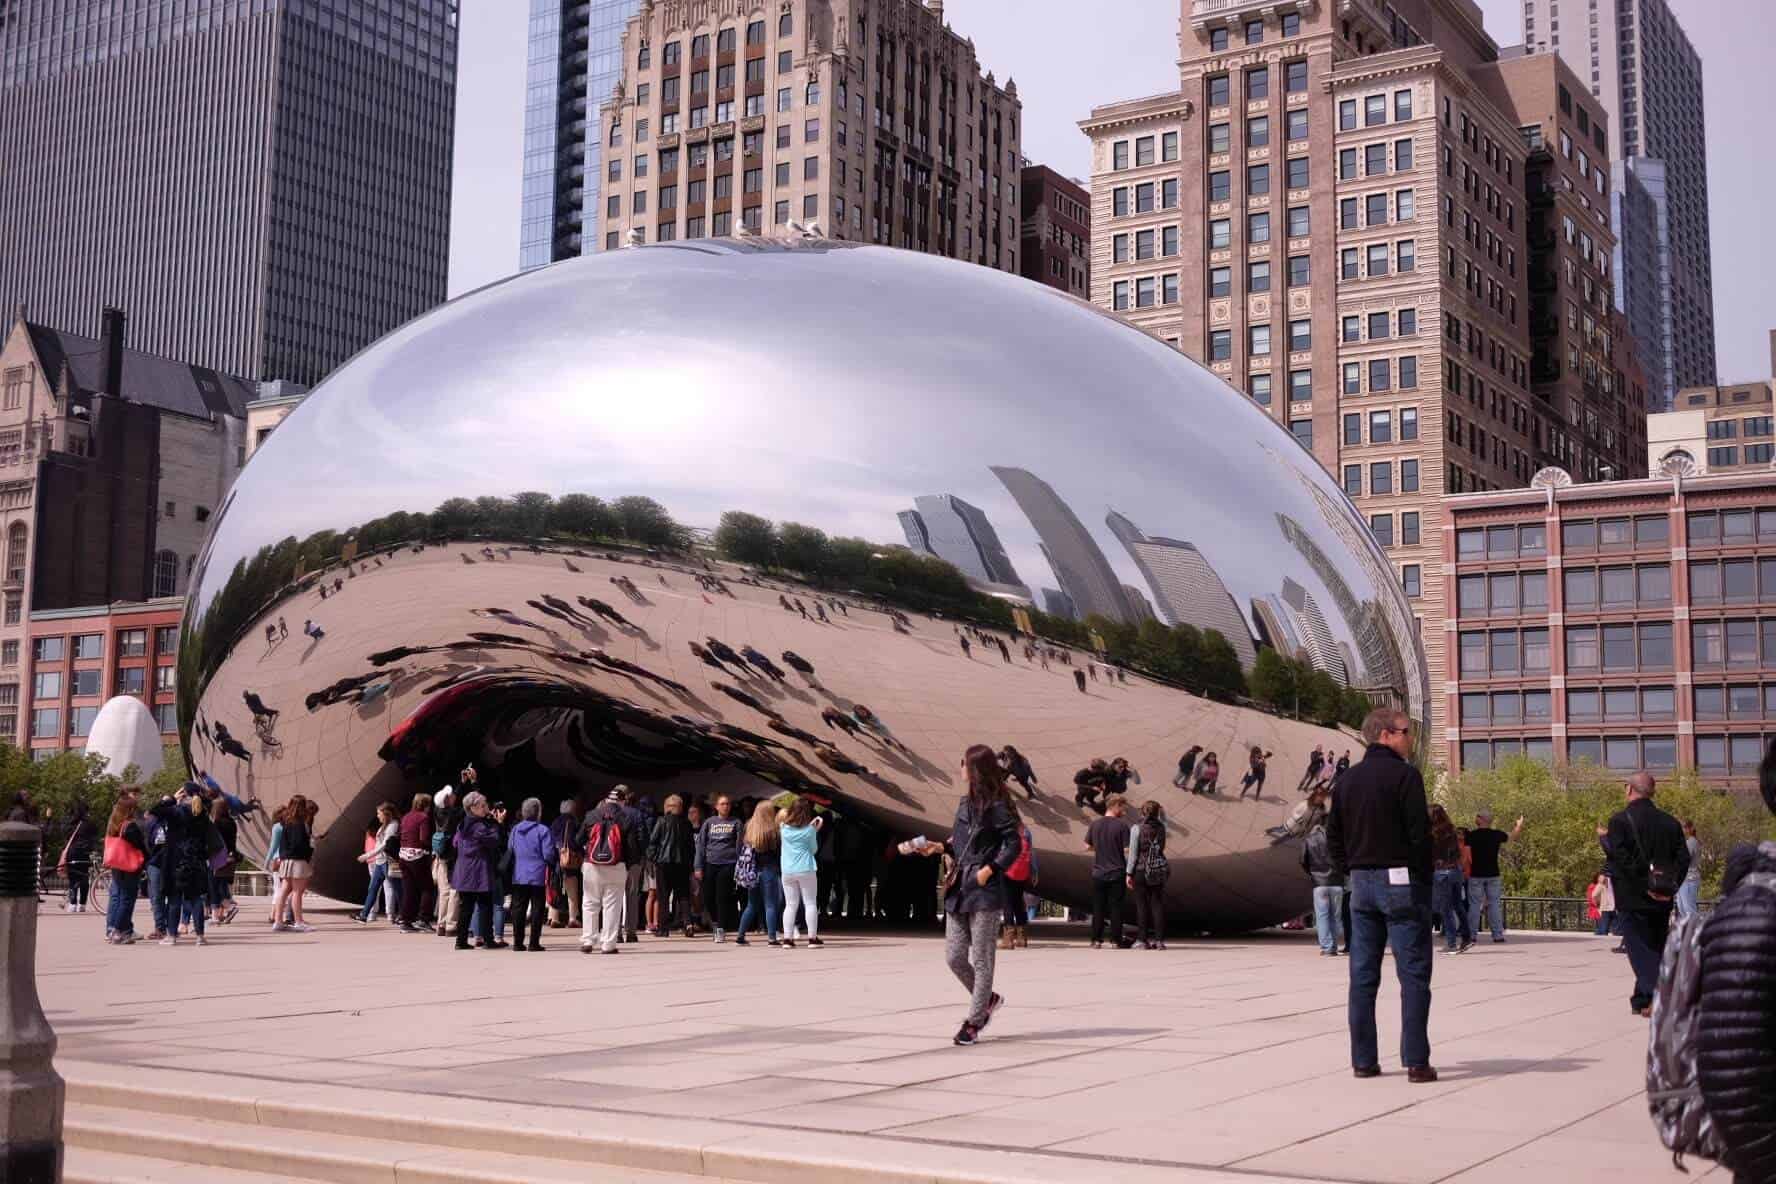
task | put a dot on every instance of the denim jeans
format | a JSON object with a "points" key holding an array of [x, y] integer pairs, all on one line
{"points": [[1688, 897], [165, 919], [120, 911], [1329, 916], [1384, 914], [1446, 903], [378, 874], [1486, 892], [765, 897]]}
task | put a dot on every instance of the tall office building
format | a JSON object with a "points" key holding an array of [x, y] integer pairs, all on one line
{"points": [[1079, 565], [265, 187], [955, 531], [1636, 60], [1315, 631], [1333, 213], [1056, 226], [575, 59], [872, 121], [1186, 588]]}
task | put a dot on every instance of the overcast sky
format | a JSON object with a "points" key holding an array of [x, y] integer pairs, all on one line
{"points": [[1065, 65]]}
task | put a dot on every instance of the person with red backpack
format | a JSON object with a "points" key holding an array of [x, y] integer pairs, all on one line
{"points": [[1020, 877], [601, 843]]}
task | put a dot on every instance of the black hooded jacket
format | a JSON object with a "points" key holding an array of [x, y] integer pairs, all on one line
{"points": [[1736, 1038]]}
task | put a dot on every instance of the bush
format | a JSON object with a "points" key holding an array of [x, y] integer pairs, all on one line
{"points": [[1558, 853]]}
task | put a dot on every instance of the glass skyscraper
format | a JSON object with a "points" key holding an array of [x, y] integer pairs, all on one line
{"points": [[575, 61], [263, 185]]}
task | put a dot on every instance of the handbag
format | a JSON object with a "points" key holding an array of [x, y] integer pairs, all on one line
{"points": [[746, 868], [121, 855]]}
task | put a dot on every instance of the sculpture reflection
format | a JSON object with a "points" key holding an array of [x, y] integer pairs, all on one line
{"points": [[672, 546]]}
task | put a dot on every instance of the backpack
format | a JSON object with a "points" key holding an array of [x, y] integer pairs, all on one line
{"points": [[746, 871], [1674, 1096], [1152, 864], [604, 843]]}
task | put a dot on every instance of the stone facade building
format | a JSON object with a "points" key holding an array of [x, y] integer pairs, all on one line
{"points": [[1717, 429], [103, 498], [866, 120], [1055, 224], [1628, 623], [1333, 212]]}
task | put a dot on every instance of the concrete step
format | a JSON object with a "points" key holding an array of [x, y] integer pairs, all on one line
{"points": [[83, 1165], [259, 1153]]}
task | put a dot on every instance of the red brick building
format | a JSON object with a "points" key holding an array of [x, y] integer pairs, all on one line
{"points": [[1056, 226], [80, 657], [1631, 623]]}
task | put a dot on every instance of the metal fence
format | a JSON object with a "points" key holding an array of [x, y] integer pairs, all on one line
{"points": [[1560, 914], [246, 883]]}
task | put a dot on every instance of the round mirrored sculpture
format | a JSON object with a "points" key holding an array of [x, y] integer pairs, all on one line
{"points": [[720, 517]]}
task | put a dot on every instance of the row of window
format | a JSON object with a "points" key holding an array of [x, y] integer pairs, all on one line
{"points": [[1381, 426], [1728, 429], [1139, 199], [1295, 176], [1381, 375], [1614, 752], [47, 684], [1299, 275], [1375, 158], [1289, 25], [46, 722], [1218, 88], [1144, 146], [1144, 292], [1731, 527], [1743, 701], [1747, 643], [1372, 209], [1380, 326], [725, 41], [1382, 527], [1754, 454], [1375, 110], [1381, 477], [131, 643]]}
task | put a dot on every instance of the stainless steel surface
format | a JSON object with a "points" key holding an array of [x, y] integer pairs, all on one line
{"points": [[810, 382]]}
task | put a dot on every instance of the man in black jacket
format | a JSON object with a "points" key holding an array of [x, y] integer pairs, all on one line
{"points": [[1736, 1032], [1641, 837], [1379, 834]]}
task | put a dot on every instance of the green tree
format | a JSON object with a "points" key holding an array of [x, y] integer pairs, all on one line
{"points": [[530, 513], [581, 515], [1275, 681], [803, 549], [644, 520], [746, 538]]}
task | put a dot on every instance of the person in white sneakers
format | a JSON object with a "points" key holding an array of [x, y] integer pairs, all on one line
{"points": [[601, 843]]}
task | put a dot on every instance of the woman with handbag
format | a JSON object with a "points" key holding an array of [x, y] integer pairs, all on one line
{"points": [[1019, 878], [983, 842], [222, 906], [764, 882], [294, 865], [1147, 873], [415, 857], [76, 861], [126, 853]]}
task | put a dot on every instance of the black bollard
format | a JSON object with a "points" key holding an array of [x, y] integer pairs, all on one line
{"points": [[31, 1092]]}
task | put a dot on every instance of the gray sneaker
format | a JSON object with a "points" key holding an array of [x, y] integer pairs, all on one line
{"points": [[721, 935]]}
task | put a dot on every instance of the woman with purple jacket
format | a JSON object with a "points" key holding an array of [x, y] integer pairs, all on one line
{"points": [[477, 843], [533, 854]]}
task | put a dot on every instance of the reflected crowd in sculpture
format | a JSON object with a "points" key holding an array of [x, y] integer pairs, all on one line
{"points": [[710, 516]]}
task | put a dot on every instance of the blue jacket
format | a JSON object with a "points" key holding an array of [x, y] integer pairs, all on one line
{"points": [[533, 852], [477, 842]]}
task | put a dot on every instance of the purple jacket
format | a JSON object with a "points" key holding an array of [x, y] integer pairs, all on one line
{"points": [[477, 845], [533, 853]]}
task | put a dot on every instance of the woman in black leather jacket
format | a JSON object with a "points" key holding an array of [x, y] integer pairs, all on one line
{"points": [[1736, 1048]]}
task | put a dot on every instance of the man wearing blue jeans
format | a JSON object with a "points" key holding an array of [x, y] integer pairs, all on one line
{"points": [[1379, 834], [1485, 883]]}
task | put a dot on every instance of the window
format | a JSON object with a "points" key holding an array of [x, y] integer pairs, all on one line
{"points": [[1403, 205], [1375, 110], [1298, 221], [1409, 520], [1257, 179], [1220, 281], [1375, 209], [1375, 160], [1408, 373], [80, 720], [46, 723], [1381, 526], [1381, 427], [1405, 255], [1217, 90], [1353, 431], [1168, 241], [1254, 32], [1168, 146], [1144, 150], [1300, 271], [1119, 155], [1303, 431], [166, 571], [1349, 267], [1353, 478], [132, 643], [1408, 321], [1220, 185], [1144, 292], [46, 684], [1168, 193], [1217, 40], [1378, 259], [1347, 115], [1144, 198], [1379, 374], [1258, 386], [1298, 177], [1381, 477], [1301, 334], [1353, 378], [1301, 389], [1258, 228], [1218, 137], [1220, 340], [1258, 340], [1378, 326], [1291, 24], [1402, 104], [48, 649], [1258, 277], [1143, 244], [1220, 233], [1257, 83], [1295, 76], [1295, 125], [1347, 213], [1347, 164]]}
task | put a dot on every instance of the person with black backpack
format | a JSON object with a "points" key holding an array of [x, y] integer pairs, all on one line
{"points": [[601, 842], [1147, 873], [1648, 860]]}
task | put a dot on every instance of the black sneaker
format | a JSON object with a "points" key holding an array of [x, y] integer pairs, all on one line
{"points": [[967, 1034], [993, 1005], [815, 941], [358, 917]]}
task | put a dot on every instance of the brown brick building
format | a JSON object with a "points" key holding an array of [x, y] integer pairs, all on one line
{"points": [[1333, 213], [1630, 623], [872, 122], [1056, 231], [81, 657]]}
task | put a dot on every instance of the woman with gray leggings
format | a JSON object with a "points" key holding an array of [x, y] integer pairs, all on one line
{"points": [[983, 842]]}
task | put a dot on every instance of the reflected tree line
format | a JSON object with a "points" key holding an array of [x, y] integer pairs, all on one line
{"points": [[1199, 660]]}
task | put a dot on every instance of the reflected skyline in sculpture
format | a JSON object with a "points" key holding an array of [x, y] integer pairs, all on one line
{"points": [[576, 551]]}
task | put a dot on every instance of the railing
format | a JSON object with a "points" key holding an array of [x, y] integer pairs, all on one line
{"points": [[1558, 914]]}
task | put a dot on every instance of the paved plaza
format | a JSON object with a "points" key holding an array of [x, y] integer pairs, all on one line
{"points": [[1216, 1060]]}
